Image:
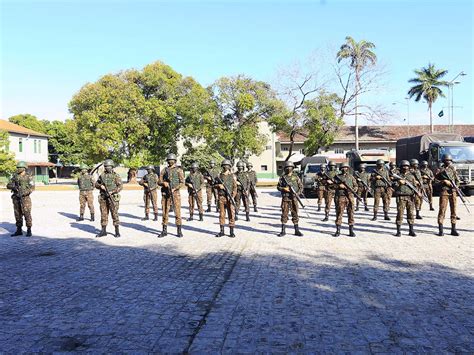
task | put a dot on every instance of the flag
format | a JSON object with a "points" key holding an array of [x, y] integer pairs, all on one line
{"points": [[441, 113]]}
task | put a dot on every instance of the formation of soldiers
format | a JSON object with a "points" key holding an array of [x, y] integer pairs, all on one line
{"points": [[409, 184]]}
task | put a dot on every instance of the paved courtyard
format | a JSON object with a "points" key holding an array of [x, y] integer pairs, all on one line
{"points": [[64, 290]]}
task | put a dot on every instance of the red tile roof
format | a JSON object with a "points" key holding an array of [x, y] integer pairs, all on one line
{"points": [[14, 128]]}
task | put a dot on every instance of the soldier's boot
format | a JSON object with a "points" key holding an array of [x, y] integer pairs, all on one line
{"points": [[156, 217], [201, 217], [431, 207], [255, 208], [454, 231], [283, 231], [458, 218], [92, 217], [374, 218], [221, 233], [418, 215], [357, 208], [231, 235], [117, 232], [366, 209], [297, 231], [326, 217], [208, 208], [17, 232], [28, 232], [179, 234], [236, 216], [190, 217], [81, 217], [351, 231], [440, 230], [386, 217], [247, 217], [319, 208], [411, 232], [164, 232], [102, 233], [217, 208], [399, 232], [338, 231], [146, 218]]}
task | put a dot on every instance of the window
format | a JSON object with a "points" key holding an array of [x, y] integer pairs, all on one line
{"points": [[264, 167], [20, 145], [338, 150], [34, 144], [39, 146], [285, 149], [268, 147]]}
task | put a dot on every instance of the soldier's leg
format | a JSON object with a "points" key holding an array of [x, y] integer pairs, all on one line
{"points": [[284, 211], [177, 208], [238, 197], [295, 217], [418, 202], [90, 202], [146, 200], [350, 211], [411, 216], [222, 210], [401, 206], [82, 203], [429, 191], [339, 210], [191, 204], [254, 198], [199, 203], [18, 212], [377, 195], [104, 212], [165, 207], [209, 194], [452, 206], [27, 211], [386, 200], [231, 213], [443, 204], [320, 198], [154, 201]]}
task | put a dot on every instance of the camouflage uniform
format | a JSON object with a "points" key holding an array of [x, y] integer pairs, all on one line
{"points": [[428, 177], [330, 191], [252, 175], [230, 182], [381, 191], [113, 183], [405, 198], [363, 192], [150, 194], [22, 186], [197, 180], [86, 184], [242, 193], [210, 190], [175, 178], [288, 200], [418, 199], [447, 194], [345, 200], [392, 170], [321, 189]]}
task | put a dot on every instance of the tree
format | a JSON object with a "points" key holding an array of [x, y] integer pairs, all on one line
{"points": [[360, 55], [201, 154], [427, 85], [64, 144], [7, 159], [30, 122]]}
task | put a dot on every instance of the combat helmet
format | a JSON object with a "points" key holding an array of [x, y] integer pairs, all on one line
{"points": [[447, 157], [414, 162], [289, 164], [331, 163], [363, 165], [226, 162], [345, 165], [240, 164], [171, 156], [21, 164], [380, 162], [424, 163], [249, 165], [392, 164], [194, 165], [150, 167], [404, 163], [109, 162]]}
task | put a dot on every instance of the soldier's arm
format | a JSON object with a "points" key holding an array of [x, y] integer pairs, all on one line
{"points": [[234, 186], [98, 183], [181, 179], [11, 184], [118, 182], [300, 185]]}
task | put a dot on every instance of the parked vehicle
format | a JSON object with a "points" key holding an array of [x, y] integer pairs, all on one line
{"points": [[310, 166]]}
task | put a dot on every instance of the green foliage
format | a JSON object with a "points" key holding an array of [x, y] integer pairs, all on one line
{"points": [[7, 159], [201, 154], [360, 53], [29, 121], [64, 143], [427, 84]]}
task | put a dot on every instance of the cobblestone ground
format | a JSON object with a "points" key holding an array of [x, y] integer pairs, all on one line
{"points": [[64, 290]]}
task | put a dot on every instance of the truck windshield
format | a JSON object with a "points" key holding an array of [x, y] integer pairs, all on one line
{"points": [[459, 154], [312, 169]]}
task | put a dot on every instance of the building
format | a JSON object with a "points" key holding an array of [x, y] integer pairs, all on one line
{"points": [[29, 146]]}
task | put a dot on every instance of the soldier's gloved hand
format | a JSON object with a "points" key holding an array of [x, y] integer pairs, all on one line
{"points": [[378, 177], [402, 182], [447, 182], [220, 186], [145, 184], [238, 183], [330, 182], [286, 189], [165, 184], [102, 187]]}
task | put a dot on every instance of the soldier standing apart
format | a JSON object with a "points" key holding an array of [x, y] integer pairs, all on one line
{"points": [[447, 194], [428, 177], [109, 184], [243, 186], [253, 185], [321, 188], [417, 174], [363, 180], [392, 169], [345, 199], [86, 183], [195, 182], [289, 201], [381, 189], [150, 185], [405, 197], [213, 172], [171, 180], [227, 190], [21, 184], [330, 188]]}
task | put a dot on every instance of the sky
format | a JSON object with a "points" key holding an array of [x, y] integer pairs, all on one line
{"points": [[50, 49]]}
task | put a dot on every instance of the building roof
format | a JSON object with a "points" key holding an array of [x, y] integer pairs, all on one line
{"points": [[14, 128], [385, 133]]}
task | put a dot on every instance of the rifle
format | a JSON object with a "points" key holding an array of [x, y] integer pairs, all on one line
{"points": [[19, 195], [411, 186], [458, 190], [294, 193], [340, 181], [253, 189], [367, 187], [389, 184], [219, 181], [422, 188], [193, 189], [106, 192], [166, 177]]}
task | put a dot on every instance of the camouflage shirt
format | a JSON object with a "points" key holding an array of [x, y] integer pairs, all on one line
{"points": [[427, 175], [244, 180], [294, 181], [173, 176], [229, 182], [449, 171], [112, 181], [151, 179], [85, 182], [252, 177], [377, 183], [348, 180], [196, 179], [21, 184], [403, 189], [363, 177]]}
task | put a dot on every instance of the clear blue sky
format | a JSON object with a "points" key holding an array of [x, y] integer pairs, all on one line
{"points": [[50, 49]]}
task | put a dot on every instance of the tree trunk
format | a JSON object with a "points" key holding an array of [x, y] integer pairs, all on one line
{"points": [[292, 143], [132, 176], [431, 118], [356, 120]]}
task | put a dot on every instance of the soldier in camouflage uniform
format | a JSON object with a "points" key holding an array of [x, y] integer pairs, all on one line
{"points": [[243, 187], [21, 185], [150, 185], [330, 188], [448, 194], [363, 177], [171, 180], [417, 174], [289, 201], [405, 198], [86, 183], [253, 185], [212, 173], [345, 199], [320, 187], [381, 189], [428, 177], [392, 170], [226, 180], [195, 181], [110, 185]]}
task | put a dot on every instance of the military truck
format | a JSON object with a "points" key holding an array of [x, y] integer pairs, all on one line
{"points": [[367, 156], [310, 166], [432, 147]]}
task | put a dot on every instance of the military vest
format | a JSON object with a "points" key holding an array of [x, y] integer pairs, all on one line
{"points": [[195, 179], [451, 172], [380, 182], [365, 177], [244, 180], [152, 180], [22, 182], [172, 176], [252, 177], [85, 182], [404, 190], [349, 180], [214, 172], [331, 174], [428, 173], [228, 180], [293, 180], [110, 180]]}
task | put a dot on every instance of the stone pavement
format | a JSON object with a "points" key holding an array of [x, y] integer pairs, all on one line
{"points": [[64, 290]]}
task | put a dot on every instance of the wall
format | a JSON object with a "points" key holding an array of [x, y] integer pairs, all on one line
{"points": [[28, 153], [267, 159]]}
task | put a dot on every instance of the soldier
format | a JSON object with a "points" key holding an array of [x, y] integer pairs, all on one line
{"points": [[195, 182], [110, 185], [243, 187], [212, 173], [321, 188], [226, 185], [150, 185], [381, 183], [86, 183], [417, 174], [330, 188], [171, 180], [253, 185], [447, 194], [344, 183], [405, 197], [428, 177], [363, 180], [289, 201], [21, 184], [392, 170]]}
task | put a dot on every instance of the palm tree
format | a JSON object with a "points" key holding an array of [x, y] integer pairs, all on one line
{"points": [[360, 54], [427, 86]]}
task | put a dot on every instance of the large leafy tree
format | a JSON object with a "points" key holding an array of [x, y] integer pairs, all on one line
{"points": [[64, 144], [360, 55], [428, 85], [29, 121], [7, 159]]}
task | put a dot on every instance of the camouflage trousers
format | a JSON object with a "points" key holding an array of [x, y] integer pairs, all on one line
{"points": [[225, 205], [86, 197], [22, 210], [429, 192], [210, 192], [405, 203], [382, 192], [286, 207], [241, 198], [166, 205], [106, 208], [193, 200], [253, 194], [345, 203], [444, 198], [329, 198], [362, 190], [150, 198], [321, 192]]}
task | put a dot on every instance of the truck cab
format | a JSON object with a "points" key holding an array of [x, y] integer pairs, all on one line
{"points": [[367, 156], [310, 167]]}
